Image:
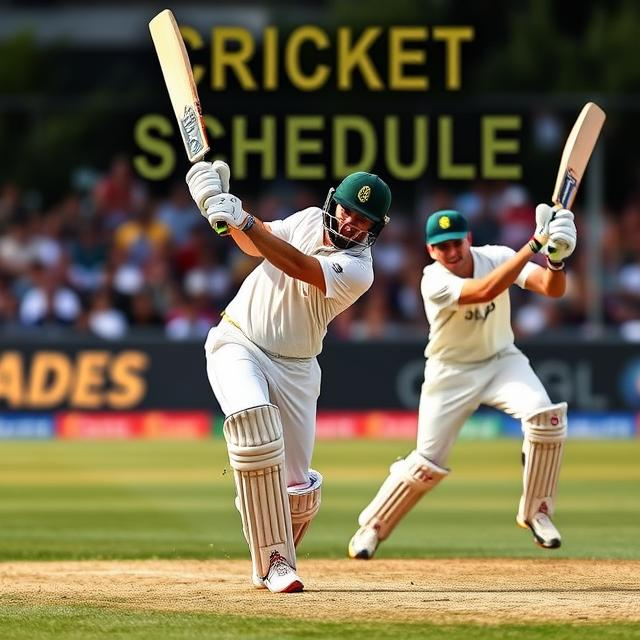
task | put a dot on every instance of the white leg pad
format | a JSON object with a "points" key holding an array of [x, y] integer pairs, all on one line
{"points": [[409, 479], [304, 502], [545, 433], [256, 453]]}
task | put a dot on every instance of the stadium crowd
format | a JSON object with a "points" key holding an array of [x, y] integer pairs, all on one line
{"points": [[112, 260]]}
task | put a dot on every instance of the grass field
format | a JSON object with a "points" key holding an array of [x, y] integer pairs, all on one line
{"points": [[173, 500]]}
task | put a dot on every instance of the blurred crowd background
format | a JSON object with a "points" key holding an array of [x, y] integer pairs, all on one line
{"points": [[111, 259]]}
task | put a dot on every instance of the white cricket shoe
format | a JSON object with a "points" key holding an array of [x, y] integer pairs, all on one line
{"points": [[544, 531], [363, 544], [281, 577]]}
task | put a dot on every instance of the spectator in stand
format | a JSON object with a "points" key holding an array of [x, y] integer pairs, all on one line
{"points": [[118, 194], [137, 240], [87, 258], [179, 214], [49, 302], [104, 320]]}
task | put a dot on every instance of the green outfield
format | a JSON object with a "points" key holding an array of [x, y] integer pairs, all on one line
{"points": [[172, 500]]}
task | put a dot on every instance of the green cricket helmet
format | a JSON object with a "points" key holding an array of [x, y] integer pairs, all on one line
{"points": [[366, 194]]}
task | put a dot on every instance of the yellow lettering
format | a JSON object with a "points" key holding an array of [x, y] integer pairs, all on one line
{"points": [[127, 374], [399, 57], [296, 146], [89, 379], [343, 126], [145, 133], [447, 170], [491, 146], [270, 58], [453, 37], [194, 40], [293, 57], [265, 146], [221, 57], [11, 378], [420, 136], [351, 55], [49, 380]]}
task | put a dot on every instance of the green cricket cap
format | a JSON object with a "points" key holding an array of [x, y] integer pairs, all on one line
{"points": [[365, 193], [446, 225]]}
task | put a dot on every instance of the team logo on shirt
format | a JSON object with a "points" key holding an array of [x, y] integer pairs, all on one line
{"points": [[479, 314], [336, 267], [444, 222], [364, 194]]}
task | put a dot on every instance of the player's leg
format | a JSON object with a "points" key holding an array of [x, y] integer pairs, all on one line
{"points": [[304, 501], [447, 399], [253, 432], [294, 387], [517, 390], [256, 452]]}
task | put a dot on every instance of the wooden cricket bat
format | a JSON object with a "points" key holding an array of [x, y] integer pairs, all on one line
{"points": [[576, 154], [181, 86]]}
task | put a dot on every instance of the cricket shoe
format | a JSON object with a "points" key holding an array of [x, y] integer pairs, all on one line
{"points": [[363, 544], [281, 577], [544, 531]]}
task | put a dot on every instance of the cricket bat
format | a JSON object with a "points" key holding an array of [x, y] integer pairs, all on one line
{"points": [[576, 154], [181, 86]]}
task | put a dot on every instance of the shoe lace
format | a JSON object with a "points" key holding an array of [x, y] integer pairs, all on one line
{"points": [[278, 563]]}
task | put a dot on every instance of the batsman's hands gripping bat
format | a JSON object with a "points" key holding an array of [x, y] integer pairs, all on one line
{"points": [[207, 180], [563, 236], [178, 76], [227, 209]]}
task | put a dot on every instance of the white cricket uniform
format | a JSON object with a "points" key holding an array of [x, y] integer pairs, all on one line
{"points": [[471, 356], [265, 348]]}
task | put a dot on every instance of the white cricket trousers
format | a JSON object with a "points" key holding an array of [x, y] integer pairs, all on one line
{"points": [[452, 391], [243, 376]]}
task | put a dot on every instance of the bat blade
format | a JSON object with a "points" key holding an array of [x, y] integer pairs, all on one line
{"points": [[576, 154], [181, 86]]}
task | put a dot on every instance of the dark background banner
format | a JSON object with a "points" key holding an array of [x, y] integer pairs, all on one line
{"points": [[159, 374]]}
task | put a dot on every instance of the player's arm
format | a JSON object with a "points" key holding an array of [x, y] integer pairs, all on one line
{"points": [[255, 237], [244, 241], [488, 287], [547, 282], [283, 255]]}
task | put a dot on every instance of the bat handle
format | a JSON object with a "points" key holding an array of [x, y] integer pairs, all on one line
{"points": [[221, 228]]}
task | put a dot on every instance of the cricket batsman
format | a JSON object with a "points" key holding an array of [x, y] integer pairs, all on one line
{"points": [[472, 360], [261, 358]]}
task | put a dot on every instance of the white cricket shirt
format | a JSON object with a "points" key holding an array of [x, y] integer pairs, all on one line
{"points": [[289, 317], [468, 332]]}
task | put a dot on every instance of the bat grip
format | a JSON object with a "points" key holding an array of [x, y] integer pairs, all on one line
{"points": [[221, 228]]}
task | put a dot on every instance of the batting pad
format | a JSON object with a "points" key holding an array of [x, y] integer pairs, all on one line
{"points": [[544, 435], [304, 501], [409, 479], [256, 452]]}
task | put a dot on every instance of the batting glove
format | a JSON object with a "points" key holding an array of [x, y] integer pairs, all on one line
{"points": [[227, 208], [206, 180], [563, 236], [540, 236]]}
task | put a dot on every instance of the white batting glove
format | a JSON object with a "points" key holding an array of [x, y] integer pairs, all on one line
{"points": [[206, 180], [540, 236], [226, 208], [563, 236]]}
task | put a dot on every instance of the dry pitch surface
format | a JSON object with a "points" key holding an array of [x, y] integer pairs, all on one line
{"points": [[435, 591]]}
